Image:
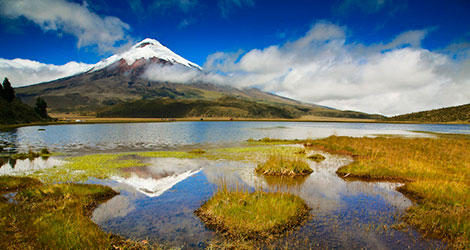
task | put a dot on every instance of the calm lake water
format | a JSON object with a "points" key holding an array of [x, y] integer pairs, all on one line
{"points": [[81, 138], [157, 202]]}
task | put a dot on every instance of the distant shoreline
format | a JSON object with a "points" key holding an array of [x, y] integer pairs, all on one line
{"points": [[94, 120]]}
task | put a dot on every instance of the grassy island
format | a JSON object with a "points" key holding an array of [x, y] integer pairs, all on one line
{"points": [[258, 215], [284, 165]]}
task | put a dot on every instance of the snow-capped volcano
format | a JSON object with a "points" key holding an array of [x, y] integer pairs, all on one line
{"points": [[147, 49]]}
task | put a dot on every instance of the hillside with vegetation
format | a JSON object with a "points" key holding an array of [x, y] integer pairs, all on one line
{"points": [[451, 114], [227, 106], [13, 111]]}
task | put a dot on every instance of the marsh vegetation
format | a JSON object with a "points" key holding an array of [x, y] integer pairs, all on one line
{"points": [[284, 165], [54, 216], [241, 214], [435, 171]]}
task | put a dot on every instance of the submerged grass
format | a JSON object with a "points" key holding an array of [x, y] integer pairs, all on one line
{"points": [[436, 172], [244, 215], [101, 166], [284, 165]]}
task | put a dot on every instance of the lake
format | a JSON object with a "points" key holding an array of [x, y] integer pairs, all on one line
{"points": [[157, 201], [82, 138]]}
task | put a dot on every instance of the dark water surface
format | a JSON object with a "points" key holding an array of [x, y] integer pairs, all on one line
{"points": [[157, 202]]}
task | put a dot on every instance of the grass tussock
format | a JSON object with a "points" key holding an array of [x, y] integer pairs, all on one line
{"points": [[197, 151], [243, 215], [316, 157], [284, 165], [436, 173], [31, 154]]}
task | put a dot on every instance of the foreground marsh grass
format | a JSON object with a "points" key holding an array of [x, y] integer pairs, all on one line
{"points": [[52, 217], [284, 165], [436, 173], [244, 215]]}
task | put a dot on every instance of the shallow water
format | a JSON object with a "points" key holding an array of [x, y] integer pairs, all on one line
{"points": [[344, 214], [86, 138]]}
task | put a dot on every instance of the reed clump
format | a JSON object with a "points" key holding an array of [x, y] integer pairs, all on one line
{"points": [[316, 157], [279, 164], [241, 215]]}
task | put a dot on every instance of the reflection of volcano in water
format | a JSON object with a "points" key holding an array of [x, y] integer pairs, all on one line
{"points": [[159, 176]]}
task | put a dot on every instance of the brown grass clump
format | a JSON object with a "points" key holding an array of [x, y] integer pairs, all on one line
{"points": [[197, 151], [436, 173], [243, 215], [284, 165], [316, 157]]}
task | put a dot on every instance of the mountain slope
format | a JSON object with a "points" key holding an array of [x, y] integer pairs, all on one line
{"points": [[451, 114], [123, 79]]}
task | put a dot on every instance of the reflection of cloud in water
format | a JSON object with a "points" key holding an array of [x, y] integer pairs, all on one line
{"points": [[154, 187], [29, 166], [159, 176], [118, 206], [322, 190]]}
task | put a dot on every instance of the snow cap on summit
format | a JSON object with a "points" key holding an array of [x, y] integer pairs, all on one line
{"points": [[147, 49]]}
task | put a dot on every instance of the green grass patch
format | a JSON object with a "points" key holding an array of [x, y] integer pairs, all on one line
{"points": [[13, 183], [284, 165], [244, 215]]}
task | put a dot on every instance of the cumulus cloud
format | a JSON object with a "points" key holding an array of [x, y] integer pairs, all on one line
{"points": [[72, 18], [320, 67], [180, 74], [22, 72]]}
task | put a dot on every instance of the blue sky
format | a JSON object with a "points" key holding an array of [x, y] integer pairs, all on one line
{"points": [[378, 56], [196, 28]]}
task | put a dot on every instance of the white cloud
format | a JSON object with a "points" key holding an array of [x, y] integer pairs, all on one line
{"points": [[22, 72], [180, 74], [320, 67], [63, 16]]}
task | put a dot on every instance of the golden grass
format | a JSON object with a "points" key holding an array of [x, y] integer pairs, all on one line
{"points": [[436, 173], [243, 215], [279, 164], [53, 217]]}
